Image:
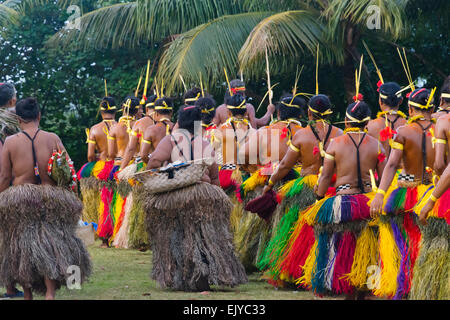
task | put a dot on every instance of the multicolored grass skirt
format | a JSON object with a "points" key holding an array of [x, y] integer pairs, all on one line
{"points": [[253, 233], [345, 245], [431, 280], [296, 196], [399, 240]]}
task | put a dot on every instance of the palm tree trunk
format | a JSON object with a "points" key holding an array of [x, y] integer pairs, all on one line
{"points": [[352, 55]]}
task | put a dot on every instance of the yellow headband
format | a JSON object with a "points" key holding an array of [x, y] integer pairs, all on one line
{"points": [[109, 107], [241, 106], [382, 96], [356, 120], [421, 106], [207, 111], [165, 107], [192, 99], [150, 104], [445, 95], [321, 113], [290, 105]]}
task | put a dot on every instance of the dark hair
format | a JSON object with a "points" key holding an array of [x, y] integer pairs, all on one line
{"points": [[420, 96], [133, 108], [446, 89], [206, 104], [108, 101], [150, 99], [7, 92], [286, 112], [390, 89], [320, 103], [234, 101], [28, 109], [191, 94], [359, 110], [236, 83], [187, 116], [160, 103]]}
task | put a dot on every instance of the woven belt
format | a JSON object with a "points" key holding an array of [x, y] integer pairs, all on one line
{"points": [[347, 186], [406, 177], [228, 167]]}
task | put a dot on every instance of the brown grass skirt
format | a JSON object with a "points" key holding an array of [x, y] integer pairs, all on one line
{"points": [[37, 236], [189, 232]]}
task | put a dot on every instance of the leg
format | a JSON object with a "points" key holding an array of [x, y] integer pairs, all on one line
{"points": [[27, 294], [51, 288], [104, 243]]}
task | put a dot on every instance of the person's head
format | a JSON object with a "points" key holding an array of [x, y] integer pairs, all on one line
{"points": [[188, 116], [319, 107], [208, 109], [445, 94], [237, 87], [163, 108], [291, 107], [237, 105], [8, 97], [357, 115], [191, 96], [108, 107], [389, 96], [418, 102], [28, 110], [130, 106], [150, 104]]}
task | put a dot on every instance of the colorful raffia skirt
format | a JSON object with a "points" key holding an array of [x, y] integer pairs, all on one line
{"points": [[38, 236], [345, 245], [399, 239], [431, 280], [90, 189], [190, 238], [296, 196]]}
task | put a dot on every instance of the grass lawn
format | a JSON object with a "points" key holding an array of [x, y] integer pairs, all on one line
{"points": [[120, 274]]}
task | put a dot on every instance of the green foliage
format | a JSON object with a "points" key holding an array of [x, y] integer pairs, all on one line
{"points": [[67, 84]]}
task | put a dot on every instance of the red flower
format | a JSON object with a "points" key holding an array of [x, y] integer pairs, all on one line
{"points": [[379, 84], [316, 150], [284, 133], [381, 157], [359, 97], [387, 133], [408, 94]]}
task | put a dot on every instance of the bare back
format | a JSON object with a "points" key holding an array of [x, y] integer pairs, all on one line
{"points": [[232, 139], [374, 127], [223, 114], [308, 144], [19, 150], [345, 154], [411, 138], [98, 133]]}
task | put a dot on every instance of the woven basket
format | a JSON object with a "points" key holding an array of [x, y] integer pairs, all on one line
{"points": [[174, 177]]}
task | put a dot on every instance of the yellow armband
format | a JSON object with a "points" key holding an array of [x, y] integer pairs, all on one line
{"points": [[396, 145], [111, 138], [146, 141], [328, 156], [433, 198], [134, 133], [91, 141], [441, 141], [293, 147]]}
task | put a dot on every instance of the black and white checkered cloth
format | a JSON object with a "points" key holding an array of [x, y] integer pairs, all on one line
{"points": [[343, 187], [228, 167], [406, 177]]}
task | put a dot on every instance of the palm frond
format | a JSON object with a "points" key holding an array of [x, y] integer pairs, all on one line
{"points": [[107, 26], [7, 15], [359, 12], [132, 23], [286, 34], [207, 49]]}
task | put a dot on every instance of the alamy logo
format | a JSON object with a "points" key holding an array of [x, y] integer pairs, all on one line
{"points": [[73, 281], [374, 19], [74, 21]]}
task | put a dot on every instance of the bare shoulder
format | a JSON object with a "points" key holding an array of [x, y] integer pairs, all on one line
{"points": [[375, 124], [443, 120]]}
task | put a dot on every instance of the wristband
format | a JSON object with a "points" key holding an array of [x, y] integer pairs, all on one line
{"points": [[270, 183], [433, 198], [381, 191]]}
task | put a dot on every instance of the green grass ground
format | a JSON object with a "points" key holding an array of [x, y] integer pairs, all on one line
{"points": [[120, 274]]}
